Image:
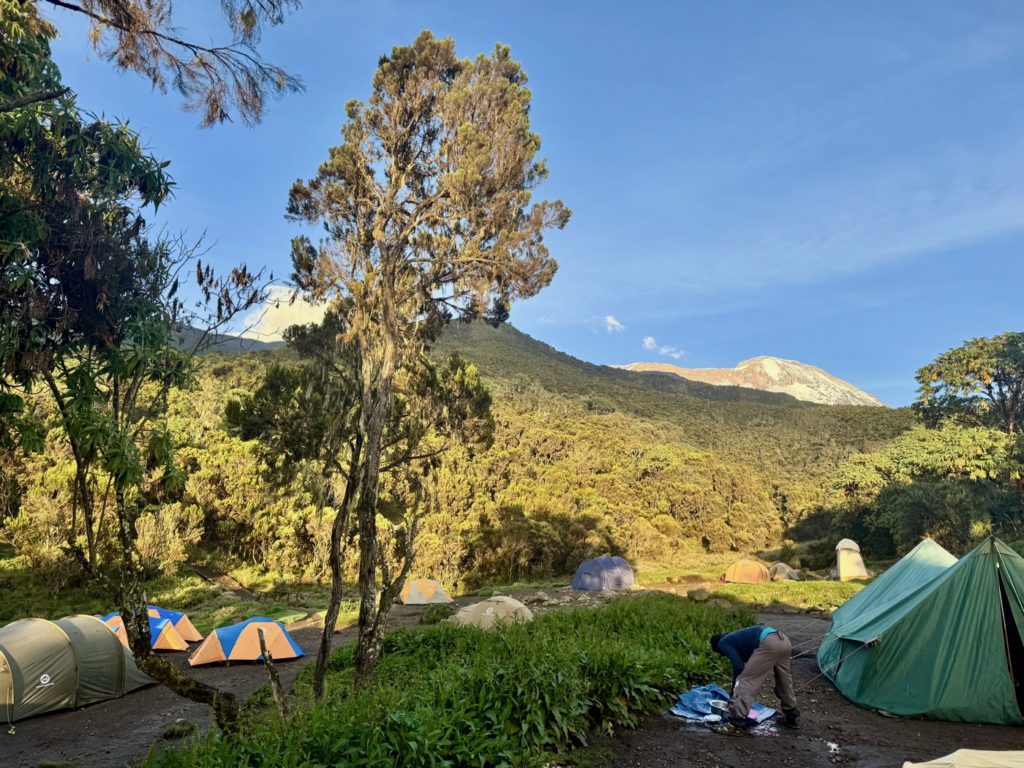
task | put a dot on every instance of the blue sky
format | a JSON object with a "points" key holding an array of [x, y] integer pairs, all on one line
{"points": [[841, 184]]}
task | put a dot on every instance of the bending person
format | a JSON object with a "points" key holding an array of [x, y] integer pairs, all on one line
{"points": [[755, 652]]}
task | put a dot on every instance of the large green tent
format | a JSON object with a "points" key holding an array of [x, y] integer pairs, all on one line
{"points": [[48, 665], [935, 638]]}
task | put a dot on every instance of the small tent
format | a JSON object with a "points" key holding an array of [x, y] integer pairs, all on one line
{"points": [[50, 665], [493, 611], [423, 592], [918, 567], [782, 572], [936, 640], [241, 642], [746, 572], [162, 634], [849, 564], [180, 621], [605, 572], [974, 758]]}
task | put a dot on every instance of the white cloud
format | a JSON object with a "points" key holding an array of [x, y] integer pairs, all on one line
{"points": [[612, 325], [268, 322], [666, 350]]}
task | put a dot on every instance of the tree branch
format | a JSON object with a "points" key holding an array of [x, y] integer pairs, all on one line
{"points": [[33, 98]]}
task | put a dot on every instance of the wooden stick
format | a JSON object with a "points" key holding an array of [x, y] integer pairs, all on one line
{"points": [[275, 680]]}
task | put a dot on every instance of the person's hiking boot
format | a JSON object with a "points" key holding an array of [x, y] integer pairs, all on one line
{"points": [[790, 718], [731, 727]]}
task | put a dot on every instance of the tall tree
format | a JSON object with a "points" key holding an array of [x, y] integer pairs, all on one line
{"points": [[979, 383], [307, 421], [141, 36], [428, 208]]}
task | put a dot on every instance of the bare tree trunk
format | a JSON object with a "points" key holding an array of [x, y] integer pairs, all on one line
{"points": [[275, 679], [338, 530], [377, 386]]}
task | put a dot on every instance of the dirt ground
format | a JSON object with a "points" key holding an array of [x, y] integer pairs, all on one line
{"points": [[833, 731], [115, 733]]}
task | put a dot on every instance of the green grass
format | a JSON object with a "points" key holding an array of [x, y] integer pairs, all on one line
{"points": [[457, 696], [803, 595]]}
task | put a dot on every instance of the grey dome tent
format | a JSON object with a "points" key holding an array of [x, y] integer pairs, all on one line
{"points": [[603, 573], [50, 665]]}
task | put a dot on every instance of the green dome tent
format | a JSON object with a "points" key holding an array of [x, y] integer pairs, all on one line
{"points": [[935, 638], [49, 665]]}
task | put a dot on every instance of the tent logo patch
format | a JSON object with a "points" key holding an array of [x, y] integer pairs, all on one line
{"points": [[45, 680]]}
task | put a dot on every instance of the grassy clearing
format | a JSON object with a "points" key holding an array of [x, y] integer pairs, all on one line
{"points": [[22, 594], [458, 696], [803, 595]]}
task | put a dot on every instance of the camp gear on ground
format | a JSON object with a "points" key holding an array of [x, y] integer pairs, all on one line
{"points": [[849, 564], [50, 665], [162, 634], [241, 642], [605, 572], [934, 641], [180, 621], [746, 572], [782, 572], [974, 758], [493, 611], [695, 704], [423, 592], [771, 656]]}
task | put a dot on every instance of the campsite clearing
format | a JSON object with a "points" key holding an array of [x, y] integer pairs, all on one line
{"points": [[863, 738]]}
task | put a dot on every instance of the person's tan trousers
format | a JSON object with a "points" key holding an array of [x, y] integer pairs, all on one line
{"points": [[771, 655]]}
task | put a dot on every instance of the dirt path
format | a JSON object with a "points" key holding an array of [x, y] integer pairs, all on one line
{"points": [[833, 730]]}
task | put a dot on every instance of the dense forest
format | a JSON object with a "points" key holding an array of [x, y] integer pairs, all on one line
{"points": [[584, 459]]}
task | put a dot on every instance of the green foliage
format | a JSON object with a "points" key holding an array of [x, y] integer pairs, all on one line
{"points": [[979, 383], [462, 697], [955, 484]]}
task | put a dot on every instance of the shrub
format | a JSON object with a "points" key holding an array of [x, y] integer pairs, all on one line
{"points": [[164, 536], [434, 614], [458, 696]]}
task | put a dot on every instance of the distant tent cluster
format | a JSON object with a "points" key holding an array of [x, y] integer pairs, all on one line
{"points": [[935, 637], [746, 571]]}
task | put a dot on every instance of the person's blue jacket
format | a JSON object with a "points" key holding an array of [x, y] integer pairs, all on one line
{"points": [[740, 645]]}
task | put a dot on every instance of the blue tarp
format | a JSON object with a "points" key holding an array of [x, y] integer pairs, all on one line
{"points": [[603, 573], [695, 704]]}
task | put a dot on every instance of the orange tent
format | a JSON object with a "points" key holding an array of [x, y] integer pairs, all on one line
{"points": [[180, 621], [241, 642], [747, 572], [163, 636]]}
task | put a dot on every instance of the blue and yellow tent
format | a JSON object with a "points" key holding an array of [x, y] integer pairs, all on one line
{"points": [[180, 621], [162, 634], [241, 642]]}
